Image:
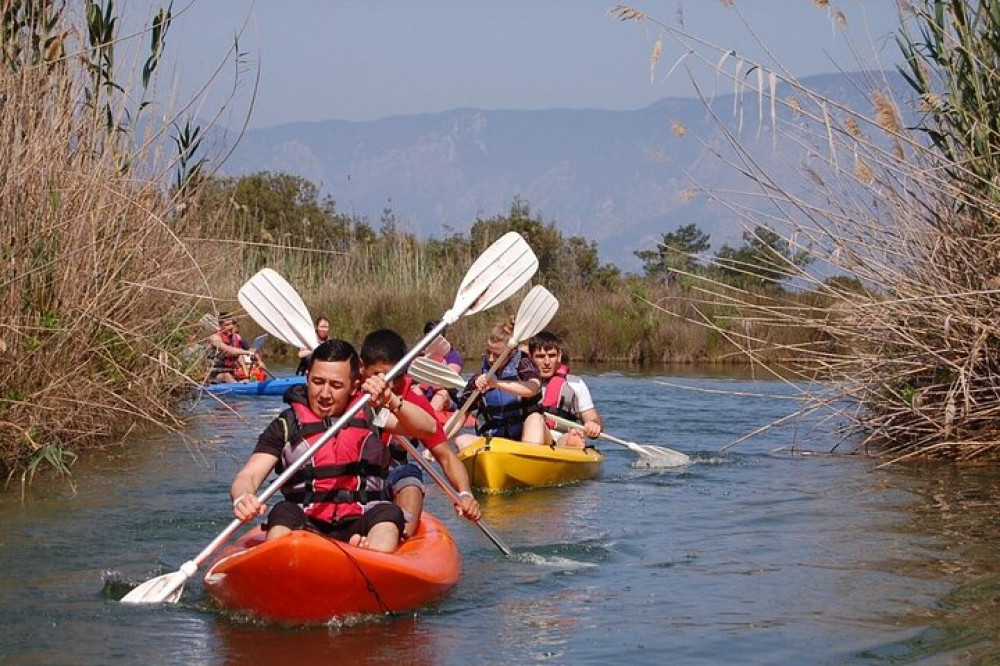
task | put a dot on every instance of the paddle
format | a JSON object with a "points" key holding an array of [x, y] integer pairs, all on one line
{"points": [[536, 311], [434, 373], [652, 456], [439, 375], [258, 344], [498, 273], [412, 451]]}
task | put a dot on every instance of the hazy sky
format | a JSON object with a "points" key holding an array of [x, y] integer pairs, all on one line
{"points": [[368, 59]]}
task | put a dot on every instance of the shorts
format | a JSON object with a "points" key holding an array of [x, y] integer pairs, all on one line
{"points": [[404, 476], [293, 516]]}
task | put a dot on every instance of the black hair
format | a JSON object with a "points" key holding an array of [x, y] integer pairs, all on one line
{"points": [[333, 351], [545, 340], [383, 345], [429, 326]]}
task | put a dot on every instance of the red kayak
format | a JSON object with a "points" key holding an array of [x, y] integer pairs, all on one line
{"points": [[306, 577]]}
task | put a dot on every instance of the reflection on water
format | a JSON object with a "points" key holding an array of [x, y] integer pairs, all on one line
{"points": [[746, 555]]}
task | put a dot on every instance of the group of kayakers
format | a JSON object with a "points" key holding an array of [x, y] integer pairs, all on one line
{"points": [[360, 487]]}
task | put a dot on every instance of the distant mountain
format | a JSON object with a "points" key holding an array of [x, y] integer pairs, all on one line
{"points": [[621, 178]]}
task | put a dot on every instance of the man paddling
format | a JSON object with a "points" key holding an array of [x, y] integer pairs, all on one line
{"points": [[380, 351], [340, 491], [563, 394]]}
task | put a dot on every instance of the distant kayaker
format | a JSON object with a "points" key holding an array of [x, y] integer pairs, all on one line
{"points": [[224, 351], [322, 334], [339, 493], [441, 400], [509, 404], [380, 351], [251, 363], [563, 394]]}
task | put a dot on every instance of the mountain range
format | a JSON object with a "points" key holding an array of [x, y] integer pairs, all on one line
{"points": [[621, 178]]}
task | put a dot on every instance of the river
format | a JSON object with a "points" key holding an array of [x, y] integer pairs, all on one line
{"points": [[751, 555]]}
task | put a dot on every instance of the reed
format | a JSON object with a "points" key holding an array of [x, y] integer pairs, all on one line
{"points": [[93, 280], [905, 213]]}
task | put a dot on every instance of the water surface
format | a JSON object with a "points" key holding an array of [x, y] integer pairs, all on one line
{"points": [[747, 556]]}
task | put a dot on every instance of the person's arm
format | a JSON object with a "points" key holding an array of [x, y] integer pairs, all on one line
{"points": [[216, 341], [455, 471], [243, 490], [405, 417], [305, 353], [520, 388], [591, 420]]}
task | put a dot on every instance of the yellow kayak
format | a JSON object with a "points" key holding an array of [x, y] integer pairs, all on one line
{"points": [[502, 464]]}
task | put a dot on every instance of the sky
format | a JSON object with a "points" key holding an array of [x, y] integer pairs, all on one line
{"points": [[309, 60]]}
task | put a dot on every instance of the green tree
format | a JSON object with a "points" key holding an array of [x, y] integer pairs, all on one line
{"points": [[674, 253], [765, 259]]}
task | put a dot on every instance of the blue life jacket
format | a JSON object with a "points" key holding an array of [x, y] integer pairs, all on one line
{"points": [[502, 414]]}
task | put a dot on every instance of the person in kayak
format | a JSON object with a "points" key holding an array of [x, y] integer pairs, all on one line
{"points": [[339, 492], [381, 350], [508, 406], [441, 400], [251, 363], [322, 334], [563, 394], [224, 351]]}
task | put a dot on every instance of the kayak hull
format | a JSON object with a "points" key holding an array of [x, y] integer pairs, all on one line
{"points": [[306, 577], [502, 464], [267, 387]]}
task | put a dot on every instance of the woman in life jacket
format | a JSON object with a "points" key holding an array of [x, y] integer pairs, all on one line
{"points": [[509, 404], [322, 334], [340, 491], [563, 394], [224, 352]]}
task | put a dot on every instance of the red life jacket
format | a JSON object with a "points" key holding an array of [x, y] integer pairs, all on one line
{"points": [[552, 393], [345, 474], [224, 361]]}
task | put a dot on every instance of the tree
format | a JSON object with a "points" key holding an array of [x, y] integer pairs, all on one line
{"points": [[676, 252], [765, 259]]}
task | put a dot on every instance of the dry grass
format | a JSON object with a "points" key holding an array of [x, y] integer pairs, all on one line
{"points": [[910, 347]]}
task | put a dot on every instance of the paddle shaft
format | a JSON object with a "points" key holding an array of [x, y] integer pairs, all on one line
{"points": [[410, 449], [566, 423]]}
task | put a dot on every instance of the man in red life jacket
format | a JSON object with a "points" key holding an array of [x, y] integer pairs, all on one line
{"points": [[562, 393], [381, 350], [224, 351], [340, 491]]}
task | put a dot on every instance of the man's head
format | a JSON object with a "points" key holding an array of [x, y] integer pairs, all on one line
{"points": [[331, 377], [546, 351], [380, 351], [227, 323]]}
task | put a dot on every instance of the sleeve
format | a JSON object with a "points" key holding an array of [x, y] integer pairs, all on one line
{"points": [[417, 398], [453, 357], [527, 370], [272, 440], [583, 399]]}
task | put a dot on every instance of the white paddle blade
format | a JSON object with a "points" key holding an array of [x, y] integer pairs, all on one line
{"points": [[258, 342], [438, 375], [209, 322], [278, 309], [659, 457], [496, 275], [536, 311], [162, 589]]}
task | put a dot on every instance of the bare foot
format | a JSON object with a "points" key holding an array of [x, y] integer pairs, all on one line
{"points": [[573, 440], [359, 541]]}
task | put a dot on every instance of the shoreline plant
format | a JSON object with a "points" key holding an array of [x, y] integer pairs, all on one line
{"points": [[897, 203]]}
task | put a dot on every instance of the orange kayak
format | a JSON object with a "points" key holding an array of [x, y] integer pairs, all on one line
{"points": [[306, 577]]}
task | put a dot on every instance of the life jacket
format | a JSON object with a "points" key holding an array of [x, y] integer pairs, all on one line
{"points": [[346, 473], [221, 361], [552, 394], [499, 408]]}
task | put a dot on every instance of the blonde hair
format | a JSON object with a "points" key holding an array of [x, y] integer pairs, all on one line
{"points": [[502, 331]]}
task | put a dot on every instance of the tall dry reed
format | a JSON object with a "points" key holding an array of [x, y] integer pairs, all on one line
{"points": [[907, 334]]}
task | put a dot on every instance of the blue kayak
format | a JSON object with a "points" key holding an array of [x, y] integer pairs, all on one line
{"points": [[267, 387]]}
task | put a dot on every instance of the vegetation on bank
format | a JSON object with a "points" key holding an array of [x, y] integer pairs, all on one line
{"points": [[900, 201]]}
